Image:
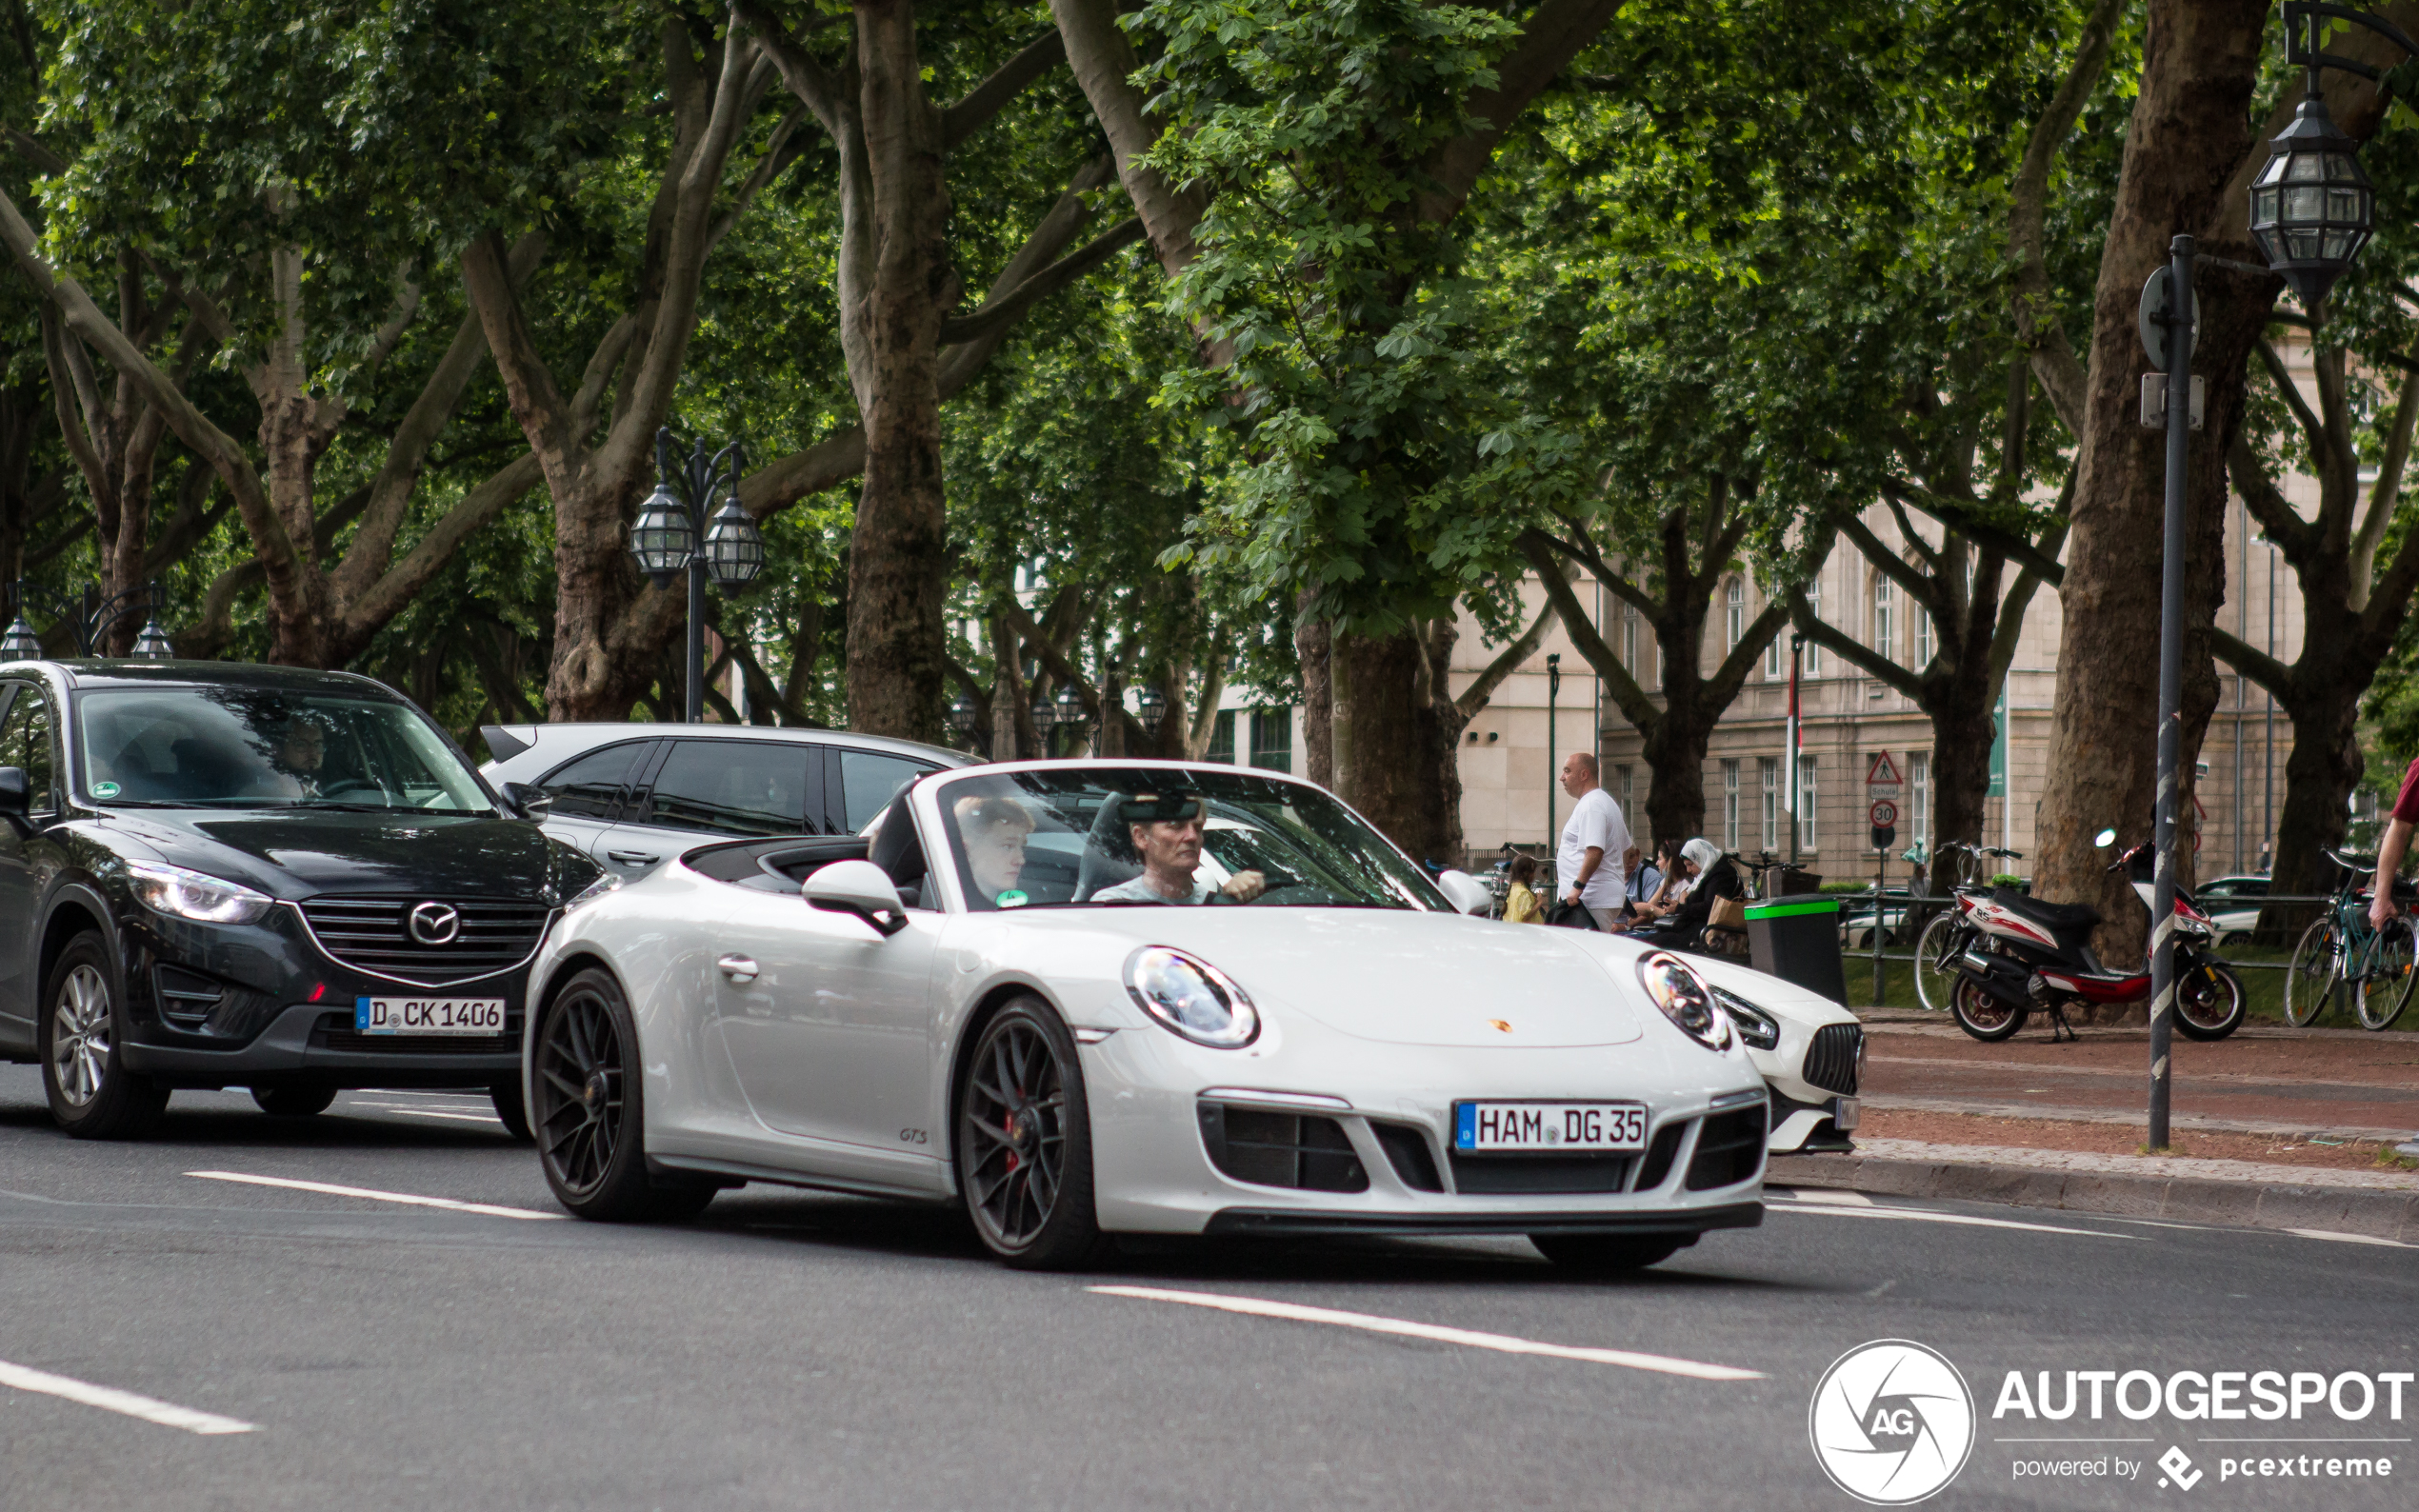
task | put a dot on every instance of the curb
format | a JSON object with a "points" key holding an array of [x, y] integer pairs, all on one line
{"points": [[2184, 1200]]}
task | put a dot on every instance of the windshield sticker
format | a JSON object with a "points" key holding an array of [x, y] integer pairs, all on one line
{"points": [[1012, 899], [104, 789]]}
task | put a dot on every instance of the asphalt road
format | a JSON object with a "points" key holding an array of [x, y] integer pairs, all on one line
{"points": [[790, 1350]]}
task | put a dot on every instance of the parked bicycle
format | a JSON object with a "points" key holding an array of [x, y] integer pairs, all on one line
{"points": [[2344, 960], [1947, 936]]}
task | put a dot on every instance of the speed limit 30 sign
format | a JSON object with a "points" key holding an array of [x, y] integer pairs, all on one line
{"points": [[1881, 814]]}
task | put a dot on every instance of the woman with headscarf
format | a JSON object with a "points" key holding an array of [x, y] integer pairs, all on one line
{"points": [[1710, 876]]}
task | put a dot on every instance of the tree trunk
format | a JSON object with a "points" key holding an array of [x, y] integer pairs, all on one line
{"points": [[1674, 753], [1312, 639], [899, 567], [1961, 740], [1379, 737], [2188, 132]]}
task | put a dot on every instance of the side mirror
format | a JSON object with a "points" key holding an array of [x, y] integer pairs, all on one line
{"points": [[529, 802], [859, 888], [2105, 838], [16, 796], [1465, 892]]}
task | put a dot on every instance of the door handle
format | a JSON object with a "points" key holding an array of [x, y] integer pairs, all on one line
{"points": [[738, 968], [631, 858]]}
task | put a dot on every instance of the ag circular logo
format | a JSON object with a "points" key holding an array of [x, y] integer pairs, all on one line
{"points": [[1891, 1422]]}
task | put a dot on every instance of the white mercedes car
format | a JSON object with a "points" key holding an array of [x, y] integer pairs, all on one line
{"points": [[1090, 998]]}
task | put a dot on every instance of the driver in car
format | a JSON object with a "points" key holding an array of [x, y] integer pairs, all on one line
{"points": [[300, 756], [1165, 830]]}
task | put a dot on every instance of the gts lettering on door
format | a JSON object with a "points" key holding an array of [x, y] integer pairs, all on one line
{"points": [[913, 1136]]}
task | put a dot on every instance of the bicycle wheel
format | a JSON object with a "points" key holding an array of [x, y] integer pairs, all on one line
{"points": [[2316, 974], [1935, 948], [2384, 987]]}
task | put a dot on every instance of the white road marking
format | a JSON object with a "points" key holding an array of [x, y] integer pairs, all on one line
{"points": [[427, 1112], [406, 1198], [2350, 1239], [167, 1414], [1503, 1342], [1821, 1194], [1920, 1216]]}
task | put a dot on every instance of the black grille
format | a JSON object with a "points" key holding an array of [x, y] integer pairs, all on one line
{"points": [[1730, 1150], [370, 933], [1830, 1058], [334, 1032], [1661, 1152], [1303, 1151], [1494, 1175], [1407, 1151]]}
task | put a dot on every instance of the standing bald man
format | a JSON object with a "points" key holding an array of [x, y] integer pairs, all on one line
{"points": [[1596, 843]]}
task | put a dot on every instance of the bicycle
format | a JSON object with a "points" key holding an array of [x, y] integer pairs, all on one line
{"points": [[2342, 957], [1949, 933]]}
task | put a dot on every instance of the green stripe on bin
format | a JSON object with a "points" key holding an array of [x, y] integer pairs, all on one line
{"points": [[1791, 907]]}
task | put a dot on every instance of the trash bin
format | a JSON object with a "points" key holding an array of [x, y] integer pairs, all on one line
{"points": [[1797, 940]]}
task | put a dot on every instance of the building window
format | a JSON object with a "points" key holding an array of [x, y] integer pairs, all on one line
{"points": [[1625, 783], [1272, 739], [1923, 638], [1886, 618], [1808, 802], [1813, 647], [1730, 804], [1222, 738], [1773, 656], [1629, 638], [1769, 768], [1734, 614], [1919, 795]]}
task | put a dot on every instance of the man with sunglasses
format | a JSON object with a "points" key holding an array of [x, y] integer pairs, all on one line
{"points": [[1165, 829]]}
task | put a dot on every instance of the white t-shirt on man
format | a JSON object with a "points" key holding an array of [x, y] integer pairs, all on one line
{"points": [[1595, 820]]}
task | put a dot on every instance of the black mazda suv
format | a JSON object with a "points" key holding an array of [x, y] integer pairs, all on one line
{"points": [[215, 875]]}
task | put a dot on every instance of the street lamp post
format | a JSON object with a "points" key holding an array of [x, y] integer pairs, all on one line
{"points": [[671, 537], [88, 619], [1553, 768], [1151, 704]]}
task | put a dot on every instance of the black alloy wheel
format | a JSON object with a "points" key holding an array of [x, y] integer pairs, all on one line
{"points": [[2209, 1000], [1023, 1141], [293, 1102], [1609, 1254], [589, 1125], [91, 1094], [510, 1111], [1981, 1013]]}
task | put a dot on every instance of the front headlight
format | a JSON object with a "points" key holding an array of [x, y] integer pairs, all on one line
{"points": [[1685, 999], [1191, 998], [608, 883], [183, 894], [1758, 1028]]}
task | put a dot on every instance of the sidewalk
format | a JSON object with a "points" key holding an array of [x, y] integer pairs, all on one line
{"points": [[2275, 1127]]}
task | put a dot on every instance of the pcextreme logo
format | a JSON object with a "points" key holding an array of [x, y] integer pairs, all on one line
{"points": [[1891, 1422]]}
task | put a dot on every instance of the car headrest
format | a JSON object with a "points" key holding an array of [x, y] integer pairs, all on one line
{"points": [[896, 849], [1109, 852]]}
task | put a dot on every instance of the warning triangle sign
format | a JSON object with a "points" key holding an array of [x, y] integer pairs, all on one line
{"points": [[1883, 769]]}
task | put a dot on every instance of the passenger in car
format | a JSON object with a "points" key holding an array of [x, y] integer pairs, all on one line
{"points": [[993, 830], [1166, 831]]}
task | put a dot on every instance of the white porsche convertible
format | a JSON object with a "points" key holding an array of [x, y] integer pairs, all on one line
{"points": [[1091, 998]]}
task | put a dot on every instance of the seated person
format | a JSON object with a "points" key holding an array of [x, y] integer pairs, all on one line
{"points": [[1672, 879], [1713, 877], [300, 756], [1165, 829], [1520, 897], [1646, 881], [993, 832]]}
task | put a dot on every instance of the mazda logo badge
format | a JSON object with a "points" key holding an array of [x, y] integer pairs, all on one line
{"points": [[435, 923]]}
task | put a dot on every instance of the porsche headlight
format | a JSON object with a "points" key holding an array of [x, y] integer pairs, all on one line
{"points": [[602, 886], [1686, 998], [183, 894], [1191, 998], [1758, 1028]]}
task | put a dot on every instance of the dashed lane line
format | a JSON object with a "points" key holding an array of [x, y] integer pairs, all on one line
{"points": [[1504, 1344], [406, 1199], [167, 1414]]}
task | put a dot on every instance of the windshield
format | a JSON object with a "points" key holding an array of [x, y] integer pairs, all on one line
{"points": [[257, 747], [1104, 837]]}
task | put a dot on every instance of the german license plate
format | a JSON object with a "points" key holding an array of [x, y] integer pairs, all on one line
{"points": [[427, 1015], [1844, 1112], [1534, 1127]]}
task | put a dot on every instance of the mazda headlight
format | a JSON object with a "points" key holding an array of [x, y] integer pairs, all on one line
{"points": [[1191, 998], [1758, 1028], [183, 894], [606, 884], [1686, 998]]}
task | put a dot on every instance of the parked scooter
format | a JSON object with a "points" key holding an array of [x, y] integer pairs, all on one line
{"points": [[2028, 956]]}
